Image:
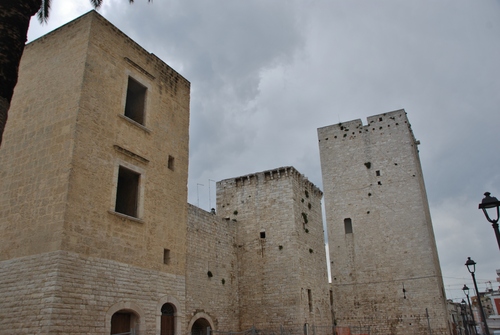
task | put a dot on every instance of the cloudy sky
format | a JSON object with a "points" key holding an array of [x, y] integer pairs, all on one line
{"points": [[266, 74]]}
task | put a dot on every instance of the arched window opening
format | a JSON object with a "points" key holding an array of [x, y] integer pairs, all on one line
{"points": [[167, 319], [124, 323], [200, 327]]}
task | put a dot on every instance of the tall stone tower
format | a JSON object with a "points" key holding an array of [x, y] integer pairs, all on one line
{"points": [[384, 263], [93, 196], [282, 278]]}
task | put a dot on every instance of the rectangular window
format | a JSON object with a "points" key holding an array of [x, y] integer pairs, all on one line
{"points": [[166, 256], [171, 162], [136, 101], [348, 226], [127, 192], [309, 299]]}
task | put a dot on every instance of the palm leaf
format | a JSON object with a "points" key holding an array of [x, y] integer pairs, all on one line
{"points": [[96, 3], [43, 12]]}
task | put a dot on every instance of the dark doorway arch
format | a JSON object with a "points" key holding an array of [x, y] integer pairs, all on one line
{"points": [[124, 322], [200, 327], [167, 319]]}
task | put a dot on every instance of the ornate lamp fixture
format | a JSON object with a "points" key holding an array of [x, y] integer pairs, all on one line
{"points": [[491, 209], [471, 267]]}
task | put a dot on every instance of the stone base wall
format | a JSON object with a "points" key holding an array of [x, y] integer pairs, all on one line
{"points": [[66, 293]]}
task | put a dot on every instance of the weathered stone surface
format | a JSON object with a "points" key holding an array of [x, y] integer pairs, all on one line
{"points": [[68, 259], [211, 247], [63, 292], [372, 176], [280, 247]]}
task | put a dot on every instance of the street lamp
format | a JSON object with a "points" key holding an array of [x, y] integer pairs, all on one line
{"points": [[466, 292], [471, 267], [493, 205], [463, 309]]}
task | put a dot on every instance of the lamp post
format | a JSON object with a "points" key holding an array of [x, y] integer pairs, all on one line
{"points": [[492, 204], [471, 266], [463, 309], [466, 292]]}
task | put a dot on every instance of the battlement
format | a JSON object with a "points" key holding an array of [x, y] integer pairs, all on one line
{"points": [[268, 175], [355, 128]]}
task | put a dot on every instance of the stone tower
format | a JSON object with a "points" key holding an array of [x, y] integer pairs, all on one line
{"points": [[282, 278], [384, 263], [93, 196]]}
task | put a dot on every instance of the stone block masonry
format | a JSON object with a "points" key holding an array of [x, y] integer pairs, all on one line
{"points": [[379, 228], [212, 272], [280, 246], [93, 187], [67, 293], [68, 137]]}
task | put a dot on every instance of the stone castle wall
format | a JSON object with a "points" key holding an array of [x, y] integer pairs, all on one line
{"points": [[105, 139], [379, 227], [68, 258], [212, 270], [62, 151], [280, 257]]}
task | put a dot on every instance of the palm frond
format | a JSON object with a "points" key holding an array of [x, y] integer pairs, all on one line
{"points": [[96, 3], [43, 12]]}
